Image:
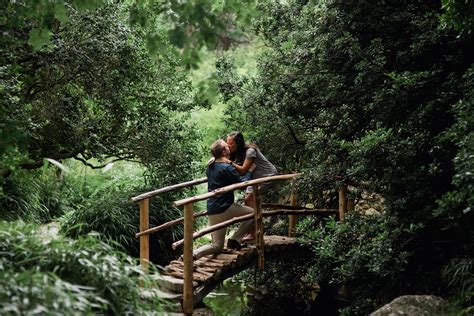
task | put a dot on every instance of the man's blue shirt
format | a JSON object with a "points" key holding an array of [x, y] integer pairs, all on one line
{"points": [[220, 174]]}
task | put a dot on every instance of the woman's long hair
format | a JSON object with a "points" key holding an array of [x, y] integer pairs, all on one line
{"points": [[241, 147]]}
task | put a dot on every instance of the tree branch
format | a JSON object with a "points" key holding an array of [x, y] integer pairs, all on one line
{"points": [[85, 162]]}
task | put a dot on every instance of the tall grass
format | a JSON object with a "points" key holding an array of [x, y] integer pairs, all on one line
{"points": [[33, 196], [100, 202], [63, 276], [458, 276]]}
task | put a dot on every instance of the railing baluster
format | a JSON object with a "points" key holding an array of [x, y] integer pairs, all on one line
{"points": [[350, 204], [259, 241], [292, 218], [342, 202], [188, 259], [145, 239]]}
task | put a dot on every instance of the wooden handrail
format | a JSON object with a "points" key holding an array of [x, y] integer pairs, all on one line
{"points": [[210, 229], [233, 187], [177, 221], [168, 189], [167, 224]]}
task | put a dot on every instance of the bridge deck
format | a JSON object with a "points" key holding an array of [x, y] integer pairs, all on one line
{"points": [[212, 267]]}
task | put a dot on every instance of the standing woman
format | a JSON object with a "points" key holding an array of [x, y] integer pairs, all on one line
{"points": [[221, 173], [243, 156]]}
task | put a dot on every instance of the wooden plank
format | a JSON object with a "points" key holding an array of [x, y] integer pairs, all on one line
{"points": [[144, 240], [205, 271], [196, 276], [225, 256], [170, 188], [210, 264], [213, 259], [188, 259], [233, 187]]}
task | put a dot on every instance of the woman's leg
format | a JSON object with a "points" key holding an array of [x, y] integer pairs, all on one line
{"points": [[236, 210], [250, 202]]}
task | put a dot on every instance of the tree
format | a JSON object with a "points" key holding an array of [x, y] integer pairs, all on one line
{"points": [[363, 93], [95, 91]]}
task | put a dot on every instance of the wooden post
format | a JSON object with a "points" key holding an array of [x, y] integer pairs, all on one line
{"points": [[292, 218], [350, 204], [188, 259], [144, 239], [342, 202], [259, 241]]}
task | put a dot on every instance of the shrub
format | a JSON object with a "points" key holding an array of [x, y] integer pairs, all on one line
{"points": [[98, 202], [117, 220], [458, 277], [83, 265], [30, 292], [362, 252]]}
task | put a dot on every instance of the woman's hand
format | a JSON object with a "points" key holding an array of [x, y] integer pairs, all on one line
{"points": [[252, 167]]}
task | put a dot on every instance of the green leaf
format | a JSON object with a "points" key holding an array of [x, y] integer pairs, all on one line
{"points": [[38, 38], [60, 12]]}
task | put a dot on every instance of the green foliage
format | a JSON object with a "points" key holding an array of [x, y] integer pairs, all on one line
{"points": [[461, 200], [86, 270], [355, 96], [189, 25], [363, 253], [31, 292], [459, 15], [364, 93], [230, 299], [94, 92], [100, 202], [458, 276], [281, 288], [33, 196]]}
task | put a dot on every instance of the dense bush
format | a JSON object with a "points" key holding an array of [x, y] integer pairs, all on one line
{"points": [[85, 270], [280, 289], [379, 96], [30, 292], [100, 202], [117, 220], [363, 253]]}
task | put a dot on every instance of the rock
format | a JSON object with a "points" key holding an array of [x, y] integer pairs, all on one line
{"points": [[170, 283], [413, 305], [371, 211], [50, 230], [377, 206], [363, 205]]}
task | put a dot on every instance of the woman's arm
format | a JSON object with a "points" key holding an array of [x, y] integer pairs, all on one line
{"points": [[248, 162]]}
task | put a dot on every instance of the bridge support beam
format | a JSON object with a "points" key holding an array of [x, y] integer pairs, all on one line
{"points": [[188, 259], [144, 239], [259, 241], [342, 202], [292, 218]]}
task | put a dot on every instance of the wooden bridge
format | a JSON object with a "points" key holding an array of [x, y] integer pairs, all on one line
{"points": [[189, 282]]}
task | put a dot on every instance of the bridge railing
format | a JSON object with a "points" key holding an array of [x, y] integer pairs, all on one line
{"points": [[292, 210]]}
